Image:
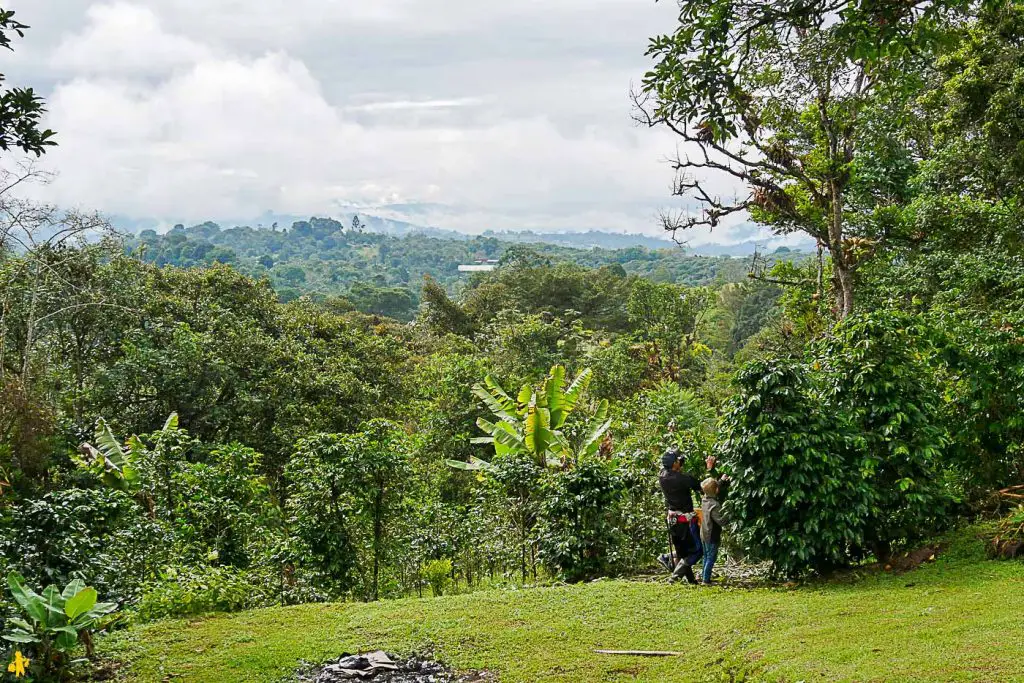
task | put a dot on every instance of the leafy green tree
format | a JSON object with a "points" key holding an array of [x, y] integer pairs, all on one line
{"points": [[667, 319], [442, 315], [103, 533], [971, 306], [624, 367], [522, 257], [975, 106], [534, 433], [346, 498], [394, 302], [771, 95], [879, 377], [577, 532], [21, 110], [534, 422], [291, 275]]}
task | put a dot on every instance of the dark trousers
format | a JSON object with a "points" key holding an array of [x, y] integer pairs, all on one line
{"points": [[686, 540]]}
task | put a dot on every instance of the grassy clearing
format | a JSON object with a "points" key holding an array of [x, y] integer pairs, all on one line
{"points": [[958, 619]]}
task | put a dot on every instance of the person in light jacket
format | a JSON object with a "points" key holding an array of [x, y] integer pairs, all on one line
{"points": [[711, 526]]}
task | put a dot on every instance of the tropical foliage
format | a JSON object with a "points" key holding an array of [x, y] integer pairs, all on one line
{"points": [[215, 420], [53, 623]]}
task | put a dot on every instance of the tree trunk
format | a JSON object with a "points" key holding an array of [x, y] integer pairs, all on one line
{"points": [[378, 532], [30, 329], [821, 271], [842, 276]]}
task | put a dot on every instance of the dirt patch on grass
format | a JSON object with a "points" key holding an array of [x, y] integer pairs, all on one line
{"points": [[905, 562]]}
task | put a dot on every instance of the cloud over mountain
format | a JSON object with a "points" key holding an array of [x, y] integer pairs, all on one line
{"points": [[487, 115]]}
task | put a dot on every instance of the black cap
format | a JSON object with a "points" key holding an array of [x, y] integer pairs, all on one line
{"points": [[670, 457]]}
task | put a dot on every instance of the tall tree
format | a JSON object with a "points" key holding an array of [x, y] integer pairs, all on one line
{"points": [[769, 95]]}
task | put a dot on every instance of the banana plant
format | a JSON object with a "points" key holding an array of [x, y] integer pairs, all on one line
{"points": [[112, 462], [532, 422], [54, 622]]}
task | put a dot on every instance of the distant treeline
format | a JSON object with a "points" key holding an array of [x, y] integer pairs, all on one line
{"points": [[375, 273]]}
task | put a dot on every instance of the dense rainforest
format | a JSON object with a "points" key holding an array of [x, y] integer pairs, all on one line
{"points": [[218, 419], [371, 272]]}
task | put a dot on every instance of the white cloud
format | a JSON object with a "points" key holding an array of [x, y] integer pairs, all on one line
{"points": [[125, 39], [472, 115], [405, 105], [229, 132]]}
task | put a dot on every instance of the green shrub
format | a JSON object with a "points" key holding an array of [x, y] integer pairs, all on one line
{"points": [[577, 537], [100, 533], [437, 575], [347, 496], [51, 626], [875, 370], [799, 497], [188, 591]]}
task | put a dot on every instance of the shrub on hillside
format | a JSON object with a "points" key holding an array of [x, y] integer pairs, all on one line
{"points": [[799, 497], [577, 535], [190, 590], [875, 371], [100, 533]]}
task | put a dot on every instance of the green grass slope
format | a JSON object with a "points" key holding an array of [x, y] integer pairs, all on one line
{"points": [[958, 619]]}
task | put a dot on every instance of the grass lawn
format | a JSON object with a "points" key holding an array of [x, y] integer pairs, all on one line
{"points": [[960, 618]]}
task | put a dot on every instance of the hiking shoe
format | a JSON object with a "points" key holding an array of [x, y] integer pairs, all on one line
{"points": [[663, 560]]}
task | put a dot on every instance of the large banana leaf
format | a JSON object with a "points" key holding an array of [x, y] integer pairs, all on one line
{"points": [[525, 392], [592, 442], [113, 463], [54, 604], [539, 438], [474, 464], [485, 425], [29, 600], [499, 393], [80, 603], [576, 389], [109, 446], [497, 401], [554, 396], [72, 589], [507, 433]]}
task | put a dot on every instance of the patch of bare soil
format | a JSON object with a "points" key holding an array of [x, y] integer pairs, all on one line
{"points": [[905, 562]]}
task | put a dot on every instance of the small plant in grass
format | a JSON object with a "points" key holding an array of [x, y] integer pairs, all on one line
{"points": [[1008, 541], [437, 575], [52, 625]]}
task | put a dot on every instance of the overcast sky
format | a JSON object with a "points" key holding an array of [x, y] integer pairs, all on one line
{"points": [[466, 114]]}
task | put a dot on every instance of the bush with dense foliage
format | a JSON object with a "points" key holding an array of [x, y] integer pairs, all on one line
{"points": [[799, 495]]}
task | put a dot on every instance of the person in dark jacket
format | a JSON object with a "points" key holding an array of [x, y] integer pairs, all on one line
{"points": [[679, 488]]}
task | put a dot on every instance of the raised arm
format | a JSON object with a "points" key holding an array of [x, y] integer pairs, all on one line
{"points": [[723, 479]]}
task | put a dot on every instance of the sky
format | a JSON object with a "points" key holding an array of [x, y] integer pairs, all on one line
{"points": [[464, 114]]}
